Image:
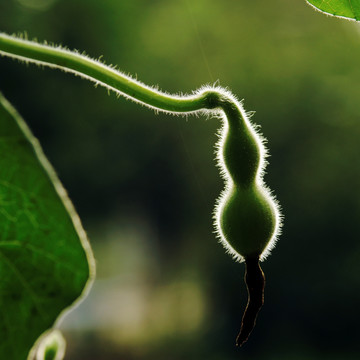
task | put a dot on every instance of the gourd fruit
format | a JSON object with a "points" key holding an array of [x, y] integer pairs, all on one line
{"points": [[247, 217]]}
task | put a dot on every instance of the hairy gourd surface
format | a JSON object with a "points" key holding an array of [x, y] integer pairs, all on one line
{"points": [[247, 216], [43, 249]]}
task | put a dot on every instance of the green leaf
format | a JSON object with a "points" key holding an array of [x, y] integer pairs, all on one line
{"points": [[342, 8], [44, 253]]}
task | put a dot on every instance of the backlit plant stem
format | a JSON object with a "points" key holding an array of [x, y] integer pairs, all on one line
{"points": [[94, 70]]}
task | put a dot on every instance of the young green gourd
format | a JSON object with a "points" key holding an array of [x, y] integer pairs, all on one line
{"points": [[247, 217]]}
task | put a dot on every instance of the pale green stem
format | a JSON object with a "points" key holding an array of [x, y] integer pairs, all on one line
{"points": [[71, 61]]}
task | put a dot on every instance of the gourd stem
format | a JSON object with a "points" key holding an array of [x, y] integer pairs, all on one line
{"points": [[82, 65]]}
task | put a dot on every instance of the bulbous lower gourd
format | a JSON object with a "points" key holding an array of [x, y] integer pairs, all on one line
{"points": [[247, 220]]}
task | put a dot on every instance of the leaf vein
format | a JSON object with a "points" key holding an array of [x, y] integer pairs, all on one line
{"points": [[39, 251], [23, 282]]}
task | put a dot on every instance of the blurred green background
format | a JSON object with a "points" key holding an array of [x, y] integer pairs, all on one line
{"points": [[144, 184]]}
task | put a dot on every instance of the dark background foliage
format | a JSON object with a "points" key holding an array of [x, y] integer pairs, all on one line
{"points": [[144, 184]]}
